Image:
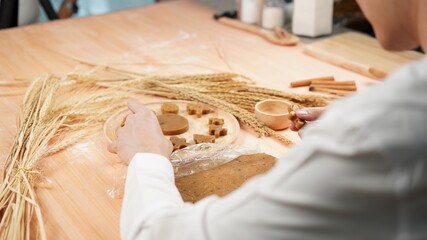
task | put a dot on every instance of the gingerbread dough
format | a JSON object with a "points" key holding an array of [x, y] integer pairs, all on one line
{"points": [[179, 143], [172, 124], [216, 121], [298, 122], [225, 178], [198, 138], [217, 130], [197, 109], [169, 108]]}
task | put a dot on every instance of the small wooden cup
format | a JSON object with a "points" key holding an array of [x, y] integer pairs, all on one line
{"points": [[273, 113]]}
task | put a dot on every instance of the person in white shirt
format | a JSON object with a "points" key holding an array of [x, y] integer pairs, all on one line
{"points": [[360, 173]]}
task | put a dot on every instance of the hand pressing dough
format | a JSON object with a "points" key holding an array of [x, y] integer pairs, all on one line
{"points": [[298, 122], [198, 138], [223, 179], [217, 130], [216, 121], [169, 108], [172, 124], [197, 109], [179, 143]]}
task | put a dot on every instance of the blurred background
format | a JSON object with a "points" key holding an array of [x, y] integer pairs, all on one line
{"points": [[346, 12]]}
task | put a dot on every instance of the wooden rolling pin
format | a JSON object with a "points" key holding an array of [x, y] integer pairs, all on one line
{"points": [[369, 71], [279, 36]]}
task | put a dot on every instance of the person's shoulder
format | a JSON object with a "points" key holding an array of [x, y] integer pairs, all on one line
{"points": [[390, 113], [409, 75], [417, 67]]}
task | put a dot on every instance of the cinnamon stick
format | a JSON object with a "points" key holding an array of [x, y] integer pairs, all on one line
{"points": [[333, 83], [332, 91], [337, 87], [307, 82]]}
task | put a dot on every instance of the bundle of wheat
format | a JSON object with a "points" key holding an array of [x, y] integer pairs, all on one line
{"points": [[50, 119], [231, 92]]}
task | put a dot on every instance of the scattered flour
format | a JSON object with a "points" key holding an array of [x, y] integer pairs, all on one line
{"points": [[78, 153]]}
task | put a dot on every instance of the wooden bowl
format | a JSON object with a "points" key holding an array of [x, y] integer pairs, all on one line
{"points": [[273, 113]]}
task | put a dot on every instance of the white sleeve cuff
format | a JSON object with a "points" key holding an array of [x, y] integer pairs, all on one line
{"points": [[152, 161], [150, 189]]}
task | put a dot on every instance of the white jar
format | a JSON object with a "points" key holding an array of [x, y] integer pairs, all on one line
{"points": [[273, 14], [312, 17], [249, 11]]}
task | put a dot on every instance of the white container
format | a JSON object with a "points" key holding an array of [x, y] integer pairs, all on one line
{"points": [[249, 11], [273, 14], [312, 17]]}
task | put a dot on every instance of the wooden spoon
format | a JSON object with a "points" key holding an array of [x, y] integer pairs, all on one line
{"points": [[279, 36]]}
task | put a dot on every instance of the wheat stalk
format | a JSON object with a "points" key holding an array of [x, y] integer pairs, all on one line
{"points": [[45, 115]]}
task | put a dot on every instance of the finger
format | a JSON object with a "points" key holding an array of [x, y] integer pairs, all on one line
{"points": [[300, 133], [119, 131], [310, 114], [292, 126], [135, 106], [112, 147], [130, 118], [124, 120]]}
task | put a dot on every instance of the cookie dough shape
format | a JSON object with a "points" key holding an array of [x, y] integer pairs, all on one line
{"points": [[216, 121], [179, 143], [197, 109], [173, 124], [217, 130], [198, 138], [169, 108], [298, 122]]}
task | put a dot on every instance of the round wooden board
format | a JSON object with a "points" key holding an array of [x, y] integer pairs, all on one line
{"points": [[196, 125]]}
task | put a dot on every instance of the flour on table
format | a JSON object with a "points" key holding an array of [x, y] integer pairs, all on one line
{"points": [[79, 152]]}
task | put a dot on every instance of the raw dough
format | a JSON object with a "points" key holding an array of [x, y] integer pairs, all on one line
{"points": [[217, 130], [179, 143], [172, 124], [198, 138], [169, 108], [216, 121], [225, 178], [197, 109]]}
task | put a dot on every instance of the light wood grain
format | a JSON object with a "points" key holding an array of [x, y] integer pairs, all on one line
{"points": [[174, 37], [360, 53]]}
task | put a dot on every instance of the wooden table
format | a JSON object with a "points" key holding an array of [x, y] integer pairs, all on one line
{"points": [[76, 205]]}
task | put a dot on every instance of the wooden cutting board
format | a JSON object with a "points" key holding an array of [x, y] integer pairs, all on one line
{"points": [[360, 53], [197, 125]]}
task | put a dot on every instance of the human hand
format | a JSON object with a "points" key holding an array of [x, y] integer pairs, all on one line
{"points": [[308, 114], [140, 134]]}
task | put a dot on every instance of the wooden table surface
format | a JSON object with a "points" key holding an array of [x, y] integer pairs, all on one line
{"points": [[173, 37]]}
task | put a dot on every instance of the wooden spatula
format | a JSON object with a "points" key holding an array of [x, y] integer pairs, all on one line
{"points": [[279, 36]]}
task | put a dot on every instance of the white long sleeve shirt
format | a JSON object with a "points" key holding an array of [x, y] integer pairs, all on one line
{"points": [[361, 173]]}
